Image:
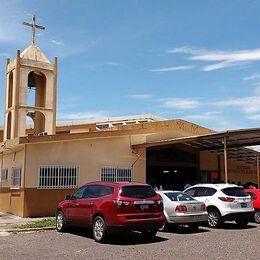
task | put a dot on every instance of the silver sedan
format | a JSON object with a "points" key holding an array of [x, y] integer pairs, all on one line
{"points": [[182, 209]]}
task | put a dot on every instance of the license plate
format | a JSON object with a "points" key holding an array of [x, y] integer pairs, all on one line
{"points": [[195, 217], [243, 205], [144, 207]]}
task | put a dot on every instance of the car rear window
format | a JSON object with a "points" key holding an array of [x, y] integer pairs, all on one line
{"points": [[178, 196], [137, 191], [235, 191]]}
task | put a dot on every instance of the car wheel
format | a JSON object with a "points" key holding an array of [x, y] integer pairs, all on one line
{"points": [[149, 235], [257, 217], [242, 222], [214, 218], [194, 227], [99, 229], [60, 222], [165, 226]]}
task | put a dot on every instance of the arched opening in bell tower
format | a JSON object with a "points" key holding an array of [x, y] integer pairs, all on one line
{"points": [[36, 119], [10, 90], [9, 125], [36, 95], [29, 122]]}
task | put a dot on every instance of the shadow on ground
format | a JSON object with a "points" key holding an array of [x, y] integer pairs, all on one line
{"points": [[233, 225], [118, 238], [227, 225], [185, 230]]}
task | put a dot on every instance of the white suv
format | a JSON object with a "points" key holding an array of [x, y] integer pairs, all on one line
{"points": [[224, 202]]}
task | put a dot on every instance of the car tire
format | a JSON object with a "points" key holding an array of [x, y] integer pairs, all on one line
{"points": [[242, 222], [214, 218], [149, 234], [99, 229], [257, 217], [194, 227], [165, 226], [61, 224]]}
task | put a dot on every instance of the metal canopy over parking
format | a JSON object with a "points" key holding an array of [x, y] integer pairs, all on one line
{"points": [[231, 144]]}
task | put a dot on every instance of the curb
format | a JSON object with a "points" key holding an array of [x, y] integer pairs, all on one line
{"points": [[20, 230]]}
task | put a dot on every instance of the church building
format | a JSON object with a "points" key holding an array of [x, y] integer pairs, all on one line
{"points": [[41, 164]]}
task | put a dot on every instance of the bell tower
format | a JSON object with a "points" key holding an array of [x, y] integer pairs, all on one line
{"points": [[31, 90]]}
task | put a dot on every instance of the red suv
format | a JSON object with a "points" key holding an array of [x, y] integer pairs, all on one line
{"points": [[106, 206], [255, 196]]}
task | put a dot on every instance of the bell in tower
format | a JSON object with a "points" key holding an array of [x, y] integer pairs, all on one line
{"points": [[31, 81]]}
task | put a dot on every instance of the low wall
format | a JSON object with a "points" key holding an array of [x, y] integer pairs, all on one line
{"points": [[11, 201], [43, 203]]}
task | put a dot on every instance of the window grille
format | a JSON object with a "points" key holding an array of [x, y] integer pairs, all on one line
{"points": [[16, 177], [4, 174], [58, 177], [115, 174]]}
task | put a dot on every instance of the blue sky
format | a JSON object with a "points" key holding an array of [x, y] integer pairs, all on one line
{"points": [[196, 60]]}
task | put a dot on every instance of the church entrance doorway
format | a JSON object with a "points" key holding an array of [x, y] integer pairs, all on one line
{"points": [[172, 167]]}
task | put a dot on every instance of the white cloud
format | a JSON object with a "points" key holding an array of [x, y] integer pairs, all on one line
{"points": [[228, 56], [224, 59], [57, 42], [186, 67], [186, 50], [253, 76], [246, 104], [179, 103], [72, 48], [80, 116], [221, 65], [203, 116], [102, 65], [255, 117], [214, 119], [112, 63], [140, 96]]}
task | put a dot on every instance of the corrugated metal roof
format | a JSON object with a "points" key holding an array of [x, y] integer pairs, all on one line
{"points": [[237, 143]]}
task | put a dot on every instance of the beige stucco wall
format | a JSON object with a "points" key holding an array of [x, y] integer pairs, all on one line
{"points": [[89, 154], [239, 171], [12, 200], [10, 160]]}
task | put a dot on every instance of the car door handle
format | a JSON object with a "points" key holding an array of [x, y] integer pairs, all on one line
{"points": [[90, 203], [77, 204], [206, 200]]}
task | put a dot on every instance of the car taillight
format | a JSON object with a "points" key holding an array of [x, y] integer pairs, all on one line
{"points": [[181, 208], [203, 207], [121, 203], [226, 199]]}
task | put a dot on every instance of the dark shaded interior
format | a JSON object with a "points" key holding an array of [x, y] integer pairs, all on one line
{"points": [[172, 167]]}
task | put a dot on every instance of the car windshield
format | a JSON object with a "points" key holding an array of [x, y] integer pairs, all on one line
{"points": [[235, 191], [178, 196], [137, 191]]}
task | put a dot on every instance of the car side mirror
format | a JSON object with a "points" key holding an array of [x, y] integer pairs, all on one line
{"points": [[68, 197]]}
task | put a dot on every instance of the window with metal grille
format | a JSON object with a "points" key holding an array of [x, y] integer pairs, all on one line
{"points": [[16, 178], [4, 174], [115, 174], [58, 177]]}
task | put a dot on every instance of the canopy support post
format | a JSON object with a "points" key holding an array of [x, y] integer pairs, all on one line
{"points": [[225, 159], [257, 170]]}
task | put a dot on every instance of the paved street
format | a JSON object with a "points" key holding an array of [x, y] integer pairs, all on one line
{"points": [[226, 243]]}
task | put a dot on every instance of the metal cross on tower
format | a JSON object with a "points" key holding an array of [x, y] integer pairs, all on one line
{"points": [[34, 26]]}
